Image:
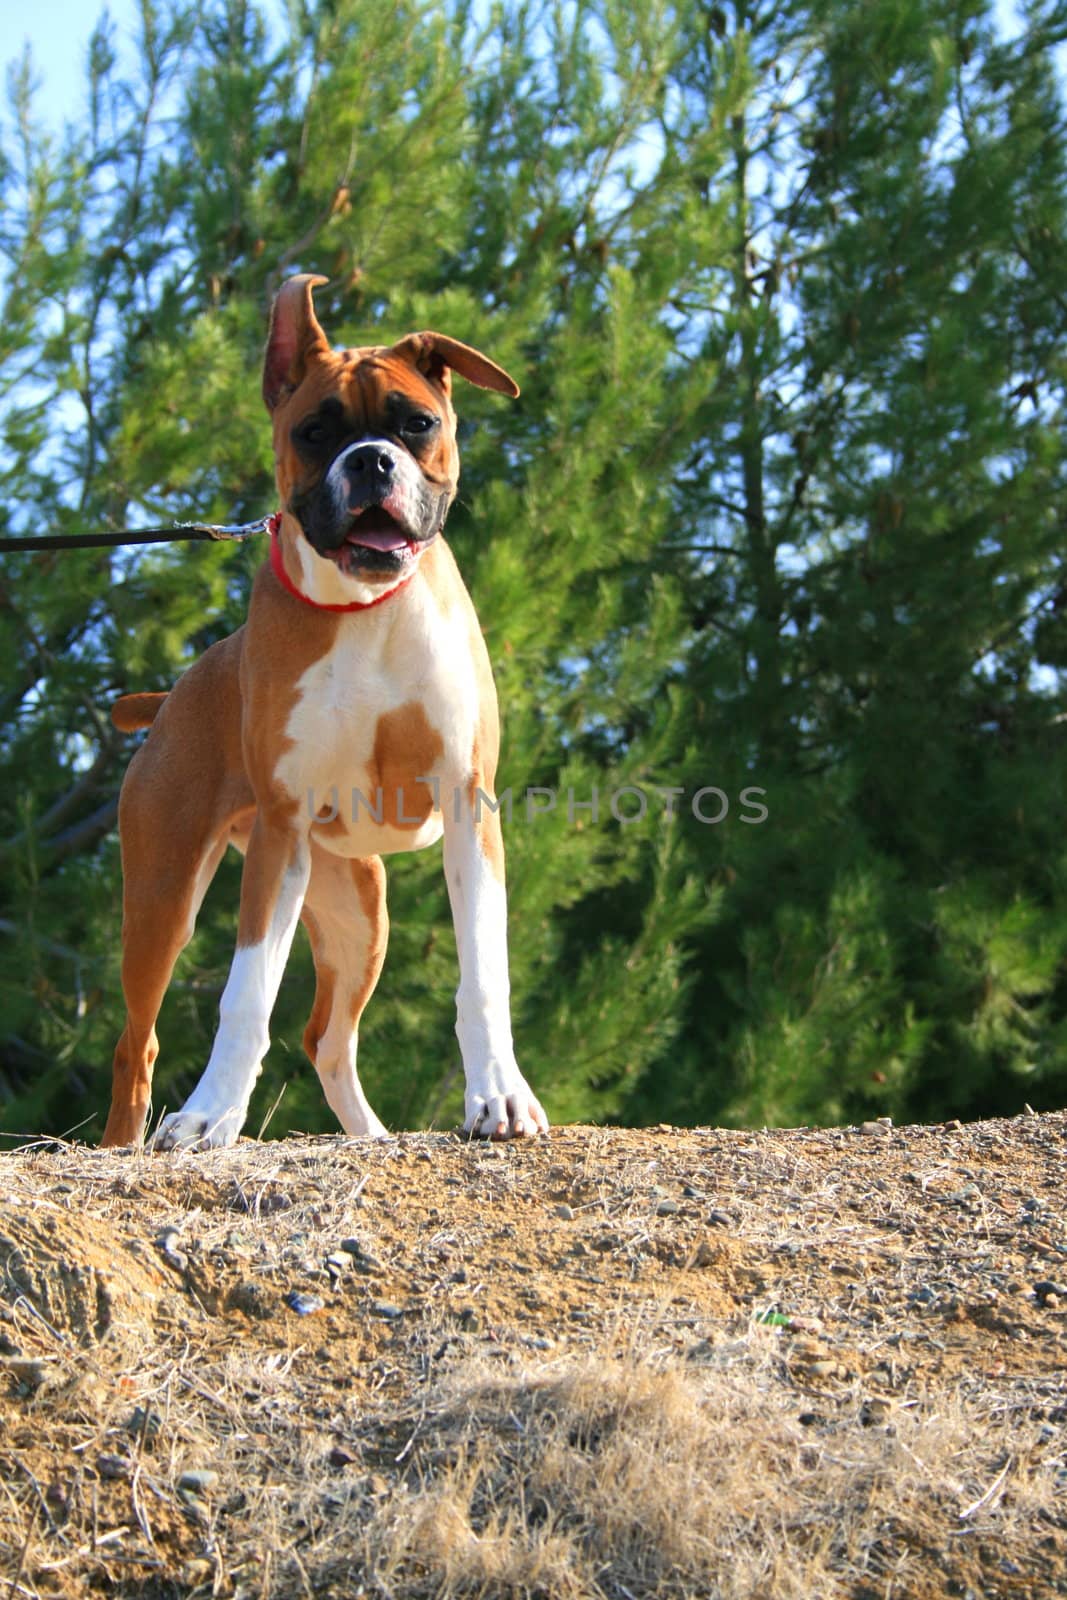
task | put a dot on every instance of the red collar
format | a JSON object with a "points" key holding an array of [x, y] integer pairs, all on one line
{"points": [[278, 568]]}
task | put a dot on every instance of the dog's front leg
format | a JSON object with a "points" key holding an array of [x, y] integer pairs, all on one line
{"points": [[273, 885], [499, 1103]]}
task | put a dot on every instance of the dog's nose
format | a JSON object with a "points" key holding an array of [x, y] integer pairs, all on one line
{"points": [[369, 467]]}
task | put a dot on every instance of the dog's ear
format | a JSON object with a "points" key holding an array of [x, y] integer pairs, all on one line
{"points": [[437, 356], [294, 337]]}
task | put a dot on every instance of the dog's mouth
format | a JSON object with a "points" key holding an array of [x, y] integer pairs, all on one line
{"points": [[375, 529], [376, 541]]}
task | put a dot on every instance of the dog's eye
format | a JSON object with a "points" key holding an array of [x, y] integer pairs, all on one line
{"points": [[419, 422], [313, 433]]}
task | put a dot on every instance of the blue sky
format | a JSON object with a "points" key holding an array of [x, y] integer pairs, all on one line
{"points": [[58, 33]]}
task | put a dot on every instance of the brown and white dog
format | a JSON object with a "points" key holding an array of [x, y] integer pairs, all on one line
{"points": [[354, 714]]}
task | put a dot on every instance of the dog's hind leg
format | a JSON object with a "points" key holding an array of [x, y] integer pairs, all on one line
{"points": [[161, 898], [347, 923], [184, 799]]}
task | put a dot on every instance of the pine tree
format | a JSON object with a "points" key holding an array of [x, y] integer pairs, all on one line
{"points": [[877, 478], [784, 287]]}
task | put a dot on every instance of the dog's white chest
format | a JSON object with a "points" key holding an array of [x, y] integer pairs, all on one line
{"points": [[382, 730]]}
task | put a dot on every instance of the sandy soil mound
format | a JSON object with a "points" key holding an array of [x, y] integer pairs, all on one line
{"points": [[65, 1271], [612, 1363]]}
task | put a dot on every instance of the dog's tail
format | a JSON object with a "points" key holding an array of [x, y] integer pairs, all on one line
{"points": [[135, 711]]}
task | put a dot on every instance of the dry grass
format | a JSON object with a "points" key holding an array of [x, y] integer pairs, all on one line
{"points": [[631, 1479], [495, 1401]]}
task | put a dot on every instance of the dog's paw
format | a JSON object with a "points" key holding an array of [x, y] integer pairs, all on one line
{"points": [[512, 1113], [189, 1129]]}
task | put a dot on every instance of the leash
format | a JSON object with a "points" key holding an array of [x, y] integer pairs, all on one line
{"points": [[218, 531], [226, 532]]}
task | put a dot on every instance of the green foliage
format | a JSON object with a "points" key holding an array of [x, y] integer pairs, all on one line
{"points": [[785, 288]]}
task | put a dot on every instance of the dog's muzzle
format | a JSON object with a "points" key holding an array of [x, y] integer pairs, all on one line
{"points": [[373, 511]]}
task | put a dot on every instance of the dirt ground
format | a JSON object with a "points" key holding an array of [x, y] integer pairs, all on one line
{"points": [[617, 1363]]}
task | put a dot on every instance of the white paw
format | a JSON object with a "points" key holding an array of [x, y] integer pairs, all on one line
{"points": [[375, 1130], [503, 1112], [365, 1128], [190, 1129]]}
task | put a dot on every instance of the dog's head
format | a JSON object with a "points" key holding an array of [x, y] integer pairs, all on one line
{"points": [[365, 440]]}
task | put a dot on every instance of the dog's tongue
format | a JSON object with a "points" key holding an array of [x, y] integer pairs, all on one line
{"points": [[377, 539]]}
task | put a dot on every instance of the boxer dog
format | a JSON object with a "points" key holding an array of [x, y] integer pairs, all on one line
{"points": [[354, 714]]}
